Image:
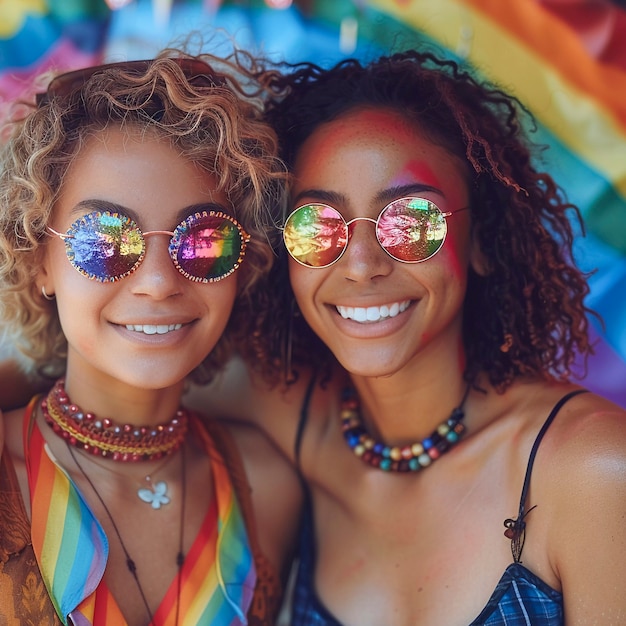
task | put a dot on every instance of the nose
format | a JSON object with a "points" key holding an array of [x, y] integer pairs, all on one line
{"points": [[157, 276], [364, 258]]}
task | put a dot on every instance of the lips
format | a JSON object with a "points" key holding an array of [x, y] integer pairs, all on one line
{"points": [[373, 313], [153, 329]]}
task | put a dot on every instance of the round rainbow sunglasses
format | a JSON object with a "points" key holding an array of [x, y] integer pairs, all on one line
{"points": [[410, 230], [107, 246]]}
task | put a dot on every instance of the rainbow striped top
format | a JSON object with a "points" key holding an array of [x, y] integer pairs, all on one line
{"points": [[218, 575]]}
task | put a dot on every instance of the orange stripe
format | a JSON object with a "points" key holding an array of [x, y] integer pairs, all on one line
{"points": [[560, 46], [101, 609]]}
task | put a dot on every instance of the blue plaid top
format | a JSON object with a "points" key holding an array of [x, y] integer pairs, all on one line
{"points": [[520, 598]]}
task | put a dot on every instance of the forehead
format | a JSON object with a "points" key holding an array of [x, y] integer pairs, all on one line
{"points": [[136, 170], [370, 150], [362, 127]]}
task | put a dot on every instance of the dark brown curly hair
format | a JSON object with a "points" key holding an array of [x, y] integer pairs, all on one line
{"points": [[210, 111], [526, 315]]}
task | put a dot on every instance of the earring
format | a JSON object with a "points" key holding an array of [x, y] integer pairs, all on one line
{"points": [[45, 295]]}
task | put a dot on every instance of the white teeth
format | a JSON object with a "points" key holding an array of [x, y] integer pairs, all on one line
{"points": [[372, 313], [360, 315], [153, 329]]}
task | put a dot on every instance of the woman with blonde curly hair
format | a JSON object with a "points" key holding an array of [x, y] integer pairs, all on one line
{"points": [[133, 203]]}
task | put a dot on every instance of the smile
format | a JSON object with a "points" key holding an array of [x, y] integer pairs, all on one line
{"points": [[153, 329], [372, 313]]}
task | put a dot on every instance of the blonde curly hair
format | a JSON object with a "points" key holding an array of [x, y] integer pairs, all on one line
{"points": [[213, 118]]}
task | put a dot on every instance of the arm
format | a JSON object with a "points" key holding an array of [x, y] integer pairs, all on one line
{"points": [[236, 395], [276, 492]]}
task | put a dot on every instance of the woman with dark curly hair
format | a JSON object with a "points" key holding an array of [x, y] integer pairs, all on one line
{"points": [[134, 200], [454, 473]]}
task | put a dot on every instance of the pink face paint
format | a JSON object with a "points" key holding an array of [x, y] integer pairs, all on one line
{"points": [[417, 171]]}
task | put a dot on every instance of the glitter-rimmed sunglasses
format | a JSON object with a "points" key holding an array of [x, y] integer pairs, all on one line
{"points": [[197, 72], [410, 230], [107, 246]]}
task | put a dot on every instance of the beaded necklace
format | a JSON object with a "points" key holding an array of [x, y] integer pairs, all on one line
{"points": [[102, 437], [408, 458]]}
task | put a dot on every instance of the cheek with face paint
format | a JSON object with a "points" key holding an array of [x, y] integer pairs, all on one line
{"points": [[359, 164]]}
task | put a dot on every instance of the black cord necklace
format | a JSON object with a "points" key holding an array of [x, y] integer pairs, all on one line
{"points": [[130, 563]]}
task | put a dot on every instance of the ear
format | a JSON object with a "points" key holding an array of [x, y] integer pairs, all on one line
{"points": [[43, 278], [478, 260]]}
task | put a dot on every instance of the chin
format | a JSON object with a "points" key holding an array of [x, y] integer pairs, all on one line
{"points": [[371, 365]]}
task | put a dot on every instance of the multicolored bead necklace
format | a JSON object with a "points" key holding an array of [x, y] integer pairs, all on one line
{"points": [[408, 458], [102, 437]]}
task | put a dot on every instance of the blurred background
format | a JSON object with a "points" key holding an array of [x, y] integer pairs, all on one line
{"points": [[564, 59]]}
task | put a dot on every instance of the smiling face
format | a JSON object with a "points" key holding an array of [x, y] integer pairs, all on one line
{"points": [[376, 314], [151, 328]]}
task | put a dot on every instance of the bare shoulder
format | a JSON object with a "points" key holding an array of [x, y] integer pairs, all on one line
{"points": [[585, 445], [588, 437], [276, 492], [258, 451], [581, 479], [237, 394]]}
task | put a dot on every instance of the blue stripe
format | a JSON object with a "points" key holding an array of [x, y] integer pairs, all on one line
{"points": [[85, 546], [41, 34]]}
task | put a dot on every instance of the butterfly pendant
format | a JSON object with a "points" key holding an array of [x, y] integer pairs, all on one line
{"points": [[155, 495]]}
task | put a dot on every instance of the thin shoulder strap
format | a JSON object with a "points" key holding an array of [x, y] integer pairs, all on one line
{"points": [[516, 527], [304, 416], [542, 432]]}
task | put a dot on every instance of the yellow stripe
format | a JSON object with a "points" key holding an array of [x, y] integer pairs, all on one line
{"points": [[13, 14], [53, 535], [198, 604], [573, 115]]}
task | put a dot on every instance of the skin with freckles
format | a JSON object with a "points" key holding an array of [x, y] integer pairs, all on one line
{"points": [[329, 169], [94, 315]]}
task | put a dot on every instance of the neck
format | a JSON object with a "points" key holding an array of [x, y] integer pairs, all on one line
{"points": [[123, 403], [102, 436], [400, 408]]}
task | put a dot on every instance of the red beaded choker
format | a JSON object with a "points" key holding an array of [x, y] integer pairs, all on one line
{"points": [[102, 437], [409, 458]]}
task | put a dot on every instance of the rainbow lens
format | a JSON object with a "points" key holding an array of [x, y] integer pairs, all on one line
{"points": [[411, 229], [104, 246], [315, 235], [208, 246]]}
